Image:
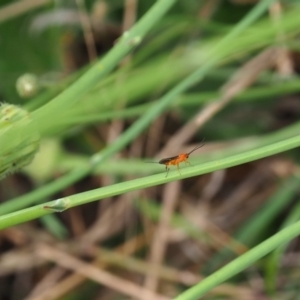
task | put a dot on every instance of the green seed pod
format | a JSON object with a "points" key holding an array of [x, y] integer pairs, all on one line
{"points": [[18, 138]]}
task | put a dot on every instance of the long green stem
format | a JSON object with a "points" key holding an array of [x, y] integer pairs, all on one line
{"points": [[240, 263], [144, 121], [102, 68], [124, 187], [129, 40]]}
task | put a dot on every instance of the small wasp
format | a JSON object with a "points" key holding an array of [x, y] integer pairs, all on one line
{"points": [[176, 160]]}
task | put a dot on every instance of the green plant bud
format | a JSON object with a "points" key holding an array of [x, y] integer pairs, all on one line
{"points": [[18, 138], [27, 85]]}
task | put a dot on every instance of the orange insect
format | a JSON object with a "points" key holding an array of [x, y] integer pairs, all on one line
{"points": [[176, 160]]}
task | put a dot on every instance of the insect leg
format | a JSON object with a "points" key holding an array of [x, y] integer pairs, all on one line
{"points": [[178, 169], [167, 168], [187, 162]]}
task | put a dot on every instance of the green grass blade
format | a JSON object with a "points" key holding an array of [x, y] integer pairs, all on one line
{"points": [[126, 43], [272, 263], [241, 263], [254, 229], [124, 187]]}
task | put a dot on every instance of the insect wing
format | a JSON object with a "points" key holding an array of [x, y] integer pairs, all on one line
{"points": [[167, 160]]}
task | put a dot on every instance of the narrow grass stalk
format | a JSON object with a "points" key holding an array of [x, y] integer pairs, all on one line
{"points": [[241, 263], [45, 191], [253, 94], [129, 40], [273, 261], [124, 187], [252, 231], [139, 125]]}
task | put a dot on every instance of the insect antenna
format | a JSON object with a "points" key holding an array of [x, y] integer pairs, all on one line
{"points": [[197, 147]]}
